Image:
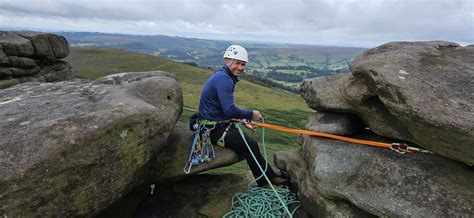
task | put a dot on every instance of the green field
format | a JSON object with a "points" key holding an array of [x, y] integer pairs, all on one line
{"points": [[277, 106]]}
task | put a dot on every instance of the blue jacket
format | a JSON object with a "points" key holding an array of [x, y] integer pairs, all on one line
{"points": [[217, 98]]}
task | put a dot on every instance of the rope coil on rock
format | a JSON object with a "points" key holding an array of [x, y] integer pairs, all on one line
{"points": [[262, 202]]}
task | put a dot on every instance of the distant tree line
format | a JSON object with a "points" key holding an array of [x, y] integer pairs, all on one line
{"points": [[268, 83], [191, 64], [176, 54], [325, 73], [299, 67], [274, 57], [292, 78], [295, 58], [309, 69]]}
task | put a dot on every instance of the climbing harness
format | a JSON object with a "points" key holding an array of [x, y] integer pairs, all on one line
{"points": [[400, 148], [258, 201]]}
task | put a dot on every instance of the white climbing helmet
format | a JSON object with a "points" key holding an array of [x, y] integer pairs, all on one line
{"points": [[236, 52]]}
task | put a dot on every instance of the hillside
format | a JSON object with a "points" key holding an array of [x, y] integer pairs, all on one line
{"points": [[274, 64], [277, 106]]}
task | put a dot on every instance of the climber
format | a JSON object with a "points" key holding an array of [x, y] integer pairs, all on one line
{"points": [[217, 109]]}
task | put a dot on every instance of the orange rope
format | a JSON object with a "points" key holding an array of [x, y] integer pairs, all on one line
{"points": [[313, 133]]}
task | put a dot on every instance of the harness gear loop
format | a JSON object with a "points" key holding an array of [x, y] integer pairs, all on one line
{"points": [[221, 141]]}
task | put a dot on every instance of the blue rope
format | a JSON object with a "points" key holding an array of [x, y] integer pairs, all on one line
{"points": [[262, 202]]}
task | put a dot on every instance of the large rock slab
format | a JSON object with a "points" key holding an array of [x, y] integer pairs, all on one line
{"points": [[381, 182], [421, 92], [80, 143], [292, 163]]}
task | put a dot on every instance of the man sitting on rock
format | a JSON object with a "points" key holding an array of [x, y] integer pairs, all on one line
{"points": [[217, 107]]}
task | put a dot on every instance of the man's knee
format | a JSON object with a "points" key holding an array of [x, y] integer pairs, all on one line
{"points": [[252, 144]]}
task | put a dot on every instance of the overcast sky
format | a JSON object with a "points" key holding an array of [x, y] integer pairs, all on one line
{"points": [[364, 23]]}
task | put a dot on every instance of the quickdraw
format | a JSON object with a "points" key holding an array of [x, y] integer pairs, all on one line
{"points": [[201, 148], [400, 148]]}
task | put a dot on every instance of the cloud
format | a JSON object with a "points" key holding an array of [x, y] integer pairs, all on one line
{"points": [[338, 22]]}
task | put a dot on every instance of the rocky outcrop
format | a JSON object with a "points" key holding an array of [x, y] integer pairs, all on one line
{"points": [[418, 92], [343, 179], [32, 56], [80, 143], [293, 164], [421, 92]]}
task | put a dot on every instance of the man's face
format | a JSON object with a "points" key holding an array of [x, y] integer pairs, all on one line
{"points": [[237, 67]]}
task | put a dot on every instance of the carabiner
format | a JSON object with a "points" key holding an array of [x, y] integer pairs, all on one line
{"points": [[188, 166], [400, 148]]}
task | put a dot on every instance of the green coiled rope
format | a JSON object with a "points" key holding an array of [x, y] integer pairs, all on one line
{"points": [[262, 202]]}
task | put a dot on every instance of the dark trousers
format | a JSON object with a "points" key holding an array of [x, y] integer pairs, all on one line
{"points": [[233, 140]]}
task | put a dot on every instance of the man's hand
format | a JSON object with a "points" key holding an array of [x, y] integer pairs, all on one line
{"points": [[248, 124], [256, 115]]}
